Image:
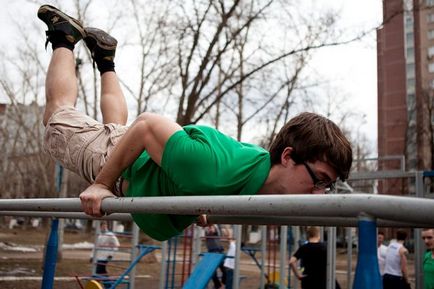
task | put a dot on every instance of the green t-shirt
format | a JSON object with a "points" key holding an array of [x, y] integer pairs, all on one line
{"points": [[428, 270], [198, 160]]}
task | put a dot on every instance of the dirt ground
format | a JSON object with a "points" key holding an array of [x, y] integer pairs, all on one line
{"points": [[24, 269]]}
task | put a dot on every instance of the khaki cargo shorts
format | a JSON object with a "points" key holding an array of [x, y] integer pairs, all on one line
{"points": [[80, 143]]}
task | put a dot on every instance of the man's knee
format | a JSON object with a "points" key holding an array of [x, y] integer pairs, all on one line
{"points": [[49, 110], [47, 115], [146, 116], [51, 107], [145, 121]]}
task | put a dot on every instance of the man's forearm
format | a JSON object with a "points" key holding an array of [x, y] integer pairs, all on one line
{"points": [[293, 265], [404, 267], [124, 154]]}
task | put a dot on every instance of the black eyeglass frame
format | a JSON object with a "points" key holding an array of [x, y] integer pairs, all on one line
{"points": [[317, 182]]}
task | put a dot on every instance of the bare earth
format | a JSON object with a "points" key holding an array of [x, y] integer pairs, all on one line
{"points": [[24, 269]]}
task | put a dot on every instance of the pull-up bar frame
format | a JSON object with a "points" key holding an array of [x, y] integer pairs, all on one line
{"points": [[234, 220], [393, 208]]}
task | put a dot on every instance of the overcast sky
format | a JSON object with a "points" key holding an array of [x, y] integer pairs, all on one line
{"points": [[352, 68], [349, 69]]}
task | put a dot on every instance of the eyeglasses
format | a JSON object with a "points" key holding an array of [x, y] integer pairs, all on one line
{"points": [[319, 184]]}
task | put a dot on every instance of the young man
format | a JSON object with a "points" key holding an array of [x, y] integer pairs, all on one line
{"points": [[213, 245], [229, 263], [381, 252], [105, 246], [313, 256], [395, 268], [428, 258], [157, 157]]}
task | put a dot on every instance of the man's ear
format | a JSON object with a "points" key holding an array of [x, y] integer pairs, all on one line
{"points": [[285, 157]]}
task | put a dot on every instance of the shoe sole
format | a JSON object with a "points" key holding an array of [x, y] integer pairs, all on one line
{"points": [[74, 22], [103, 39]]}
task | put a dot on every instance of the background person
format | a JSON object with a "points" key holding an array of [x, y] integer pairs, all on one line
{"points": [[106, 244], [381, 252], [395, 268], [213, 245], [428, 258], [313, 256], [229, 264]]}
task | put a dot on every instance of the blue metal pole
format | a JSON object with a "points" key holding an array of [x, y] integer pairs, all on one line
{"points": [[58, 170], [175, 249], [50, 256], [367, 271], [169, 256], [143, 251]]}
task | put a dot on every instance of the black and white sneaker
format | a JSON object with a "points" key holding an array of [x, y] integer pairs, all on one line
{"points": [[102, 45], [60, 24]]}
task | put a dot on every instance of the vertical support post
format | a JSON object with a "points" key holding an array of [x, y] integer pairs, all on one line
{"points": [[196, 245], [367, 271], [263, 252], [237, 236], [283, 257], [418, 244], [134, 254], [50, 259], [296, 246], [349, 233], [163, 265], [95, 248], [289, 243], [174, 244], [61, 180], [331, 258]]}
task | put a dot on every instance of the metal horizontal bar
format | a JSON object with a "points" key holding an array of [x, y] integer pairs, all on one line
{"points": [[381, 158], [379, 175], [306, 221], [394, 208], [245, 220], [65, 215], [215, 219]]}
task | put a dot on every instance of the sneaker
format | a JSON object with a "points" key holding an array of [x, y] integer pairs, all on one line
{"points": [[102, 46], [57, 21]]}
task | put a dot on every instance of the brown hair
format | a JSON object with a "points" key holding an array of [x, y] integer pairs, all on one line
{"points": [[312, 232], [401, 235], [314, 137]]}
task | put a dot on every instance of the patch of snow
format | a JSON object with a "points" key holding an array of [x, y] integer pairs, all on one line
{"points": [[80, 245], [14, 247]]}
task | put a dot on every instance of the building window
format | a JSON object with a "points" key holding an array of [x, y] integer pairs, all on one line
{"points": [[431, 67], [410, 70], [411, 82], [411, 85], [429, 2], [409, 39], [431, 34], [430, 18], [409, 21], [431, 52], [410, 54]]}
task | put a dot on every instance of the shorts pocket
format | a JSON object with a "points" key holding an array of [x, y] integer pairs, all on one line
{"points": [[55, 144]]}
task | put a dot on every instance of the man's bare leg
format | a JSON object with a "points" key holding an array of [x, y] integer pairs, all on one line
{"points": [[102, 47], [63, 32], [60, 84], [113, 104]]}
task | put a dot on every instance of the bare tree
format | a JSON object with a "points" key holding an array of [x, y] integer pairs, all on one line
{"points": [[25, 170], [229, 62], [221, 62]]}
